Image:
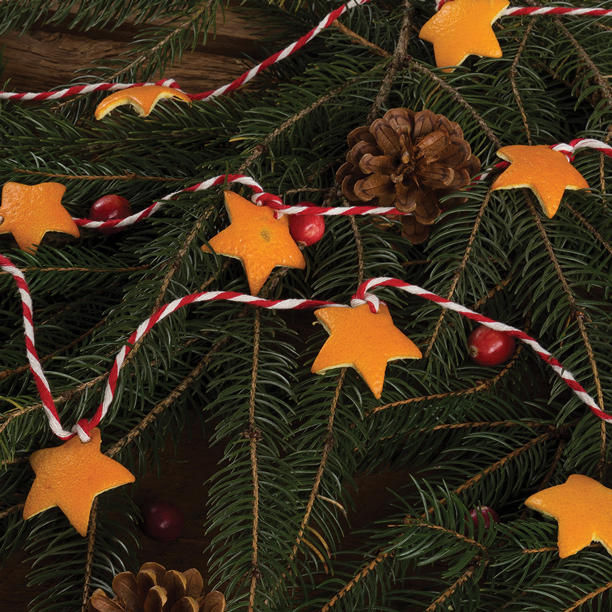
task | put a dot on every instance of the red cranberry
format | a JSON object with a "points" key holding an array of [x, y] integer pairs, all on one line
{"points": [[162, 521], [306, 229], [108, 208], [490, 347], [488, 516]]}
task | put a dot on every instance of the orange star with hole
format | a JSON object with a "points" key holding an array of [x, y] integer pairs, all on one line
{"points": [[546, 172], [461, 28], [583, 509], [258, 239], [30, 211], [71, 476], [362, 340], [143, 99]]}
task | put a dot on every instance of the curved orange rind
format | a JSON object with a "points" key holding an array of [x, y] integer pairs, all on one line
{"points": [[547, 172], [583, 509], [71, 476], [143, 99], [362, 340]]}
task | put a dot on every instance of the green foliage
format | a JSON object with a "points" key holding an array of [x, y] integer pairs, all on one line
{"points": [[296, 448]]}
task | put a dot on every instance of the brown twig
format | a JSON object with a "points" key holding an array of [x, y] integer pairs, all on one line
{"points": [[10, 510], [577, 604], [361, 40], [469, 572], [513, 75], [131, 176], [590, 228], [91, 545]]}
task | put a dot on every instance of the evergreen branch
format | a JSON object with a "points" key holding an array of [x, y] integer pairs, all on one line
{"points": [[327, 447], [169, 400], [483, 386], [488, 424], [459, 271], [534, 551], [499, 287], [99, 177], [10, 510], [589, 227], [192, 18], [501, 462], [399, 57], [600, 79], [361, 40], [253, 435], [452, 588], [359, 245], [455, 534], [513, 75], [363, 572], [570, 297], [91, 543], [456, 95], [59, 351], [589, 596]]}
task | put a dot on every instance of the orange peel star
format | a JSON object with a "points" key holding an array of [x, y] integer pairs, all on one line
{"points": [[362, 340], [461, 28], [30, 211], [258, 239], [583, 509], [143, 99], [547, 172], [71, 476]]}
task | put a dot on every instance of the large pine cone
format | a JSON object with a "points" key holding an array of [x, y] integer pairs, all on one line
{"points": [[408, 160], [154, 589]]}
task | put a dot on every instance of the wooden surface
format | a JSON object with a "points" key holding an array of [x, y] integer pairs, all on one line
{"points": [[50, 56]]}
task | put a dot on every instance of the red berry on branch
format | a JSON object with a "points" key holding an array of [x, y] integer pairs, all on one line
{"points": [[487, 513], [306, 229], [489, 347], [109, 208], [162, 521]]}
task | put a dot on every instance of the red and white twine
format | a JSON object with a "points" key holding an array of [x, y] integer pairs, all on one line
{"points": [[213, 93], [84, 426]]}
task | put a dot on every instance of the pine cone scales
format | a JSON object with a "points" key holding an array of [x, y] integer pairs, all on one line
{"points": [[408, 160], [154, 589]]}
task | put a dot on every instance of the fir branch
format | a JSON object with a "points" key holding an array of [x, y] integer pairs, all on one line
{"points": [[456, 95], [492, 292], [132, 176], [89, 561], [455, 534], [361, 40], [253, 435], [459, 271], [577, 604], [589, 227], [397, 60], [513, 76], [11, 510], [469, 572]]}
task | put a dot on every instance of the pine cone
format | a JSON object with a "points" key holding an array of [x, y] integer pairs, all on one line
{"points": [[155, 589], [408, 160]]}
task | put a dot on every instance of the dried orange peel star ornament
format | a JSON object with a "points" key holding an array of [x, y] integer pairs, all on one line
{"points": [[30, 211], [143, 99], [547, 172], [258, 239], [71, 476], [461, 28], [582, 507], [362, 340]]}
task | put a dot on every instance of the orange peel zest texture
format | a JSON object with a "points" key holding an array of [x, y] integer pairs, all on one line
{"points": [[143, 99]]}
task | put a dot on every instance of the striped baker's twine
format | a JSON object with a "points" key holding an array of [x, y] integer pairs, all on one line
{"points": [[545, 10], [84, 426], [261, 197], [567, 377], [213, 93]]}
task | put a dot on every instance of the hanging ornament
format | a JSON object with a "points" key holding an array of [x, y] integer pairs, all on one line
{"points": [[257, 238], [408, 160], [547, 172], [143, 99], [70, 476], [162, 520], [28, 212], [461, 28], [583, 509], [155, 589], [363, 340], [487, 514]]}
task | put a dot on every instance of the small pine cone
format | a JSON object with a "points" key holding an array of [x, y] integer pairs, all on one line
{"points": [[155, 589], [408, 160]]}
